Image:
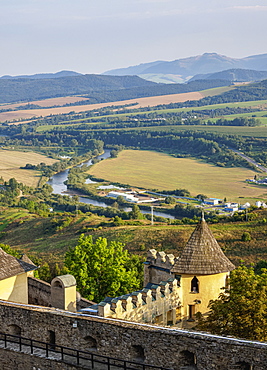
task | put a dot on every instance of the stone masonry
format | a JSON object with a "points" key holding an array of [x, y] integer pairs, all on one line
{"points": [[171, 348]]}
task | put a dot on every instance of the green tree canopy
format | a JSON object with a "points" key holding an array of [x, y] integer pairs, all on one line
{"points": [[103, 268], [240, 311]]}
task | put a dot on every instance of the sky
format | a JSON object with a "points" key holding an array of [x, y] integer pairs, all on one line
{"points": [[93, 36]]}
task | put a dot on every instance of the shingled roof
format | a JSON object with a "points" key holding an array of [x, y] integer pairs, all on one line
{"points": [[12, 266], [202, 254]]}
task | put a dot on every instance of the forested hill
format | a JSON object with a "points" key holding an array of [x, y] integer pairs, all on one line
{"points": [[239, 75], [97, 88], [24, 89]]}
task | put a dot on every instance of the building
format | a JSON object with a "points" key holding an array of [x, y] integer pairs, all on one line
{"points": [[14, 274], [211, 201], [175, 288]]}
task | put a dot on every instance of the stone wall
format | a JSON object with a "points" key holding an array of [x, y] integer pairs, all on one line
{"points": [[39, 292], [157, 267], [155, 345]]}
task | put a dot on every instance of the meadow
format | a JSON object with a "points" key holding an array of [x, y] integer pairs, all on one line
{"points": [[152, 170], [11, 161]]}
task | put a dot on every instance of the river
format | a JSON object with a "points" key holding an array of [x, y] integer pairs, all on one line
{"points": [[57, 183]]}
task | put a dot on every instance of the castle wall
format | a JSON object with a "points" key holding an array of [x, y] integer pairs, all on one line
{"points": [[158, 304], [39, 292], [161, 346]]}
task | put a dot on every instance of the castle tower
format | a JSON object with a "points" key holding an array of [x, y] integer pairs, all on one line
{"points": [[204, 271]]}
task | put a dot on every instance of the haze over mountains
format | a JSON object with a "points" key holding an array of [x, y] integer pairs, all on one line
{"points": [[182, 70]]}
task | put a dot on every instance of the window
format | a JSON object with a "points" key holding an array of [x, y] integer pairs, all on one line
{"points": [[194, 285], [90, 343], [187, 358], [138, 353], [52, 339], [14, 330]]}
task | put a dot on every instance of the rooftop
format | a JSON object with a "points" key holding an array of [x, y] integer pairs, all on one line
{"points": [[12, 266], [202, 254]]}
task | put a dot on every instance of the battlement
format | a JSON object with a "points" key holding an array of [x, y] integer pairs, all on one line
{"points": [[152, 304], [160, 259]]}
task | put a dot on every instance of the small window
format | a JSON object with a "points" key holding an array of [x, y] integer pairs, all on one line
{"points": [[90, 343], [187, 358], [52, 339], [14, 330], [138, 353], [194, 285]]}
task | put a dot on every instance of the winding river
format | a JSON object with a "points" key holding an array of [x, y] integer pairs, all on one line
{"points": [[57, 183]]}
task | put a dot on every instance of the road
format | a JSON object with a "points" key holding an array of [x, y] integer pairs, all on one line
{"points": [[250, 160]]}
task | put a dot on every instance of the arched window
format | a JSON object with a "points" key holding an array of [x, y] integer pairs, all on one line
{"points": [[138, 353], [57, 284], [187, 358], [194, 285], [90, 343], [14, 330]]}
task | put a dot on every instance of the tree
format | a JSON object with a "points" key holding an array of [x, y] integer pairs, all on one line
{"points": [[102, 268], [135, 213], [240, 311]]}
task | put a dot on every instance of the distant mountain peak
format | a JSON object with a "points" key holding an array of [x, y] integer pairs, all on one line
{"points": [[185, 68]]}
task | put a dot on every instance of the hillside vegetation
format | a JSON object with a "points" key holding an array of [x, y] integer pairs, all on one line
{"points": [[51, 237]]}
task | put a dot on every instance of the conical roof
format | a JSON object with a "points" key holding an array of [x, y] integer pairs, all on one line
{"points": [[202, 254]]}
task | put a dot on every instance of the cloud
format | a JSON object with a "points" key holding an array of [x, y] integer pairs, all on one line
{"points": [[250, 7]]}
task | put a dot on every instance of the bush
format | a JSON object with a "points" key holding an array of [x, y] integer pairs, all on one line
{"points": [[246, 237]]}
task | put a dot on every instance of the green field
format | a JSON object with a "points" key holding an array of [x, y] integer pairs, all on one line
{"points": [[259, 131], [151, 170], [259, 104]]}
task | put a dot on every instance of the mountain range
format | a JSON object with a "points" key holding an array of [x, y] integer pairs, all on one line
{"points": [[182, 70]]}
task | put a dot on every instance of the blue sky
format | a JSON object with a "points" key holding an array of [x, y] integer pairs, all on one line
{"points": [[92, 36]]}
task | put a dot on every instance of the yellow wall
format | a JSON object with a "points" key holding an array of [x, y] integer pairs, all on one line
{"points": [[15, 288], [70, 298], [209, 288]]}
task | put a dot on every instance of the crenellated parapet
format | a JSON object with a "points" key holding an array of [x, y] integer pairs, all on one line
{"points": [[158, 266], [160, 259], [157, 304]]}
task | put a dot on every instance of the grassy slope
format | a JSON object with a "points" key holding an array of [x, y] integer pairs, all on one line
{"points": [[35, 235], [153, 170], [11, 161]]}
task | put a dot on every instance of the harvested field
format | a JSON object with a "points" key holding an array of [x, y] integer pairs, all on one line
{"points": [[47, 102], [11, 161], [142, 102], [152, 170]]}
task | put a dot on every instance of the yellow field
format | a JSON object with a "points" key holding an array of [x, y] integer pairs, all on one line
{"points": [[46, 102], [153, 170], [11, 161], [142, 102]]}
